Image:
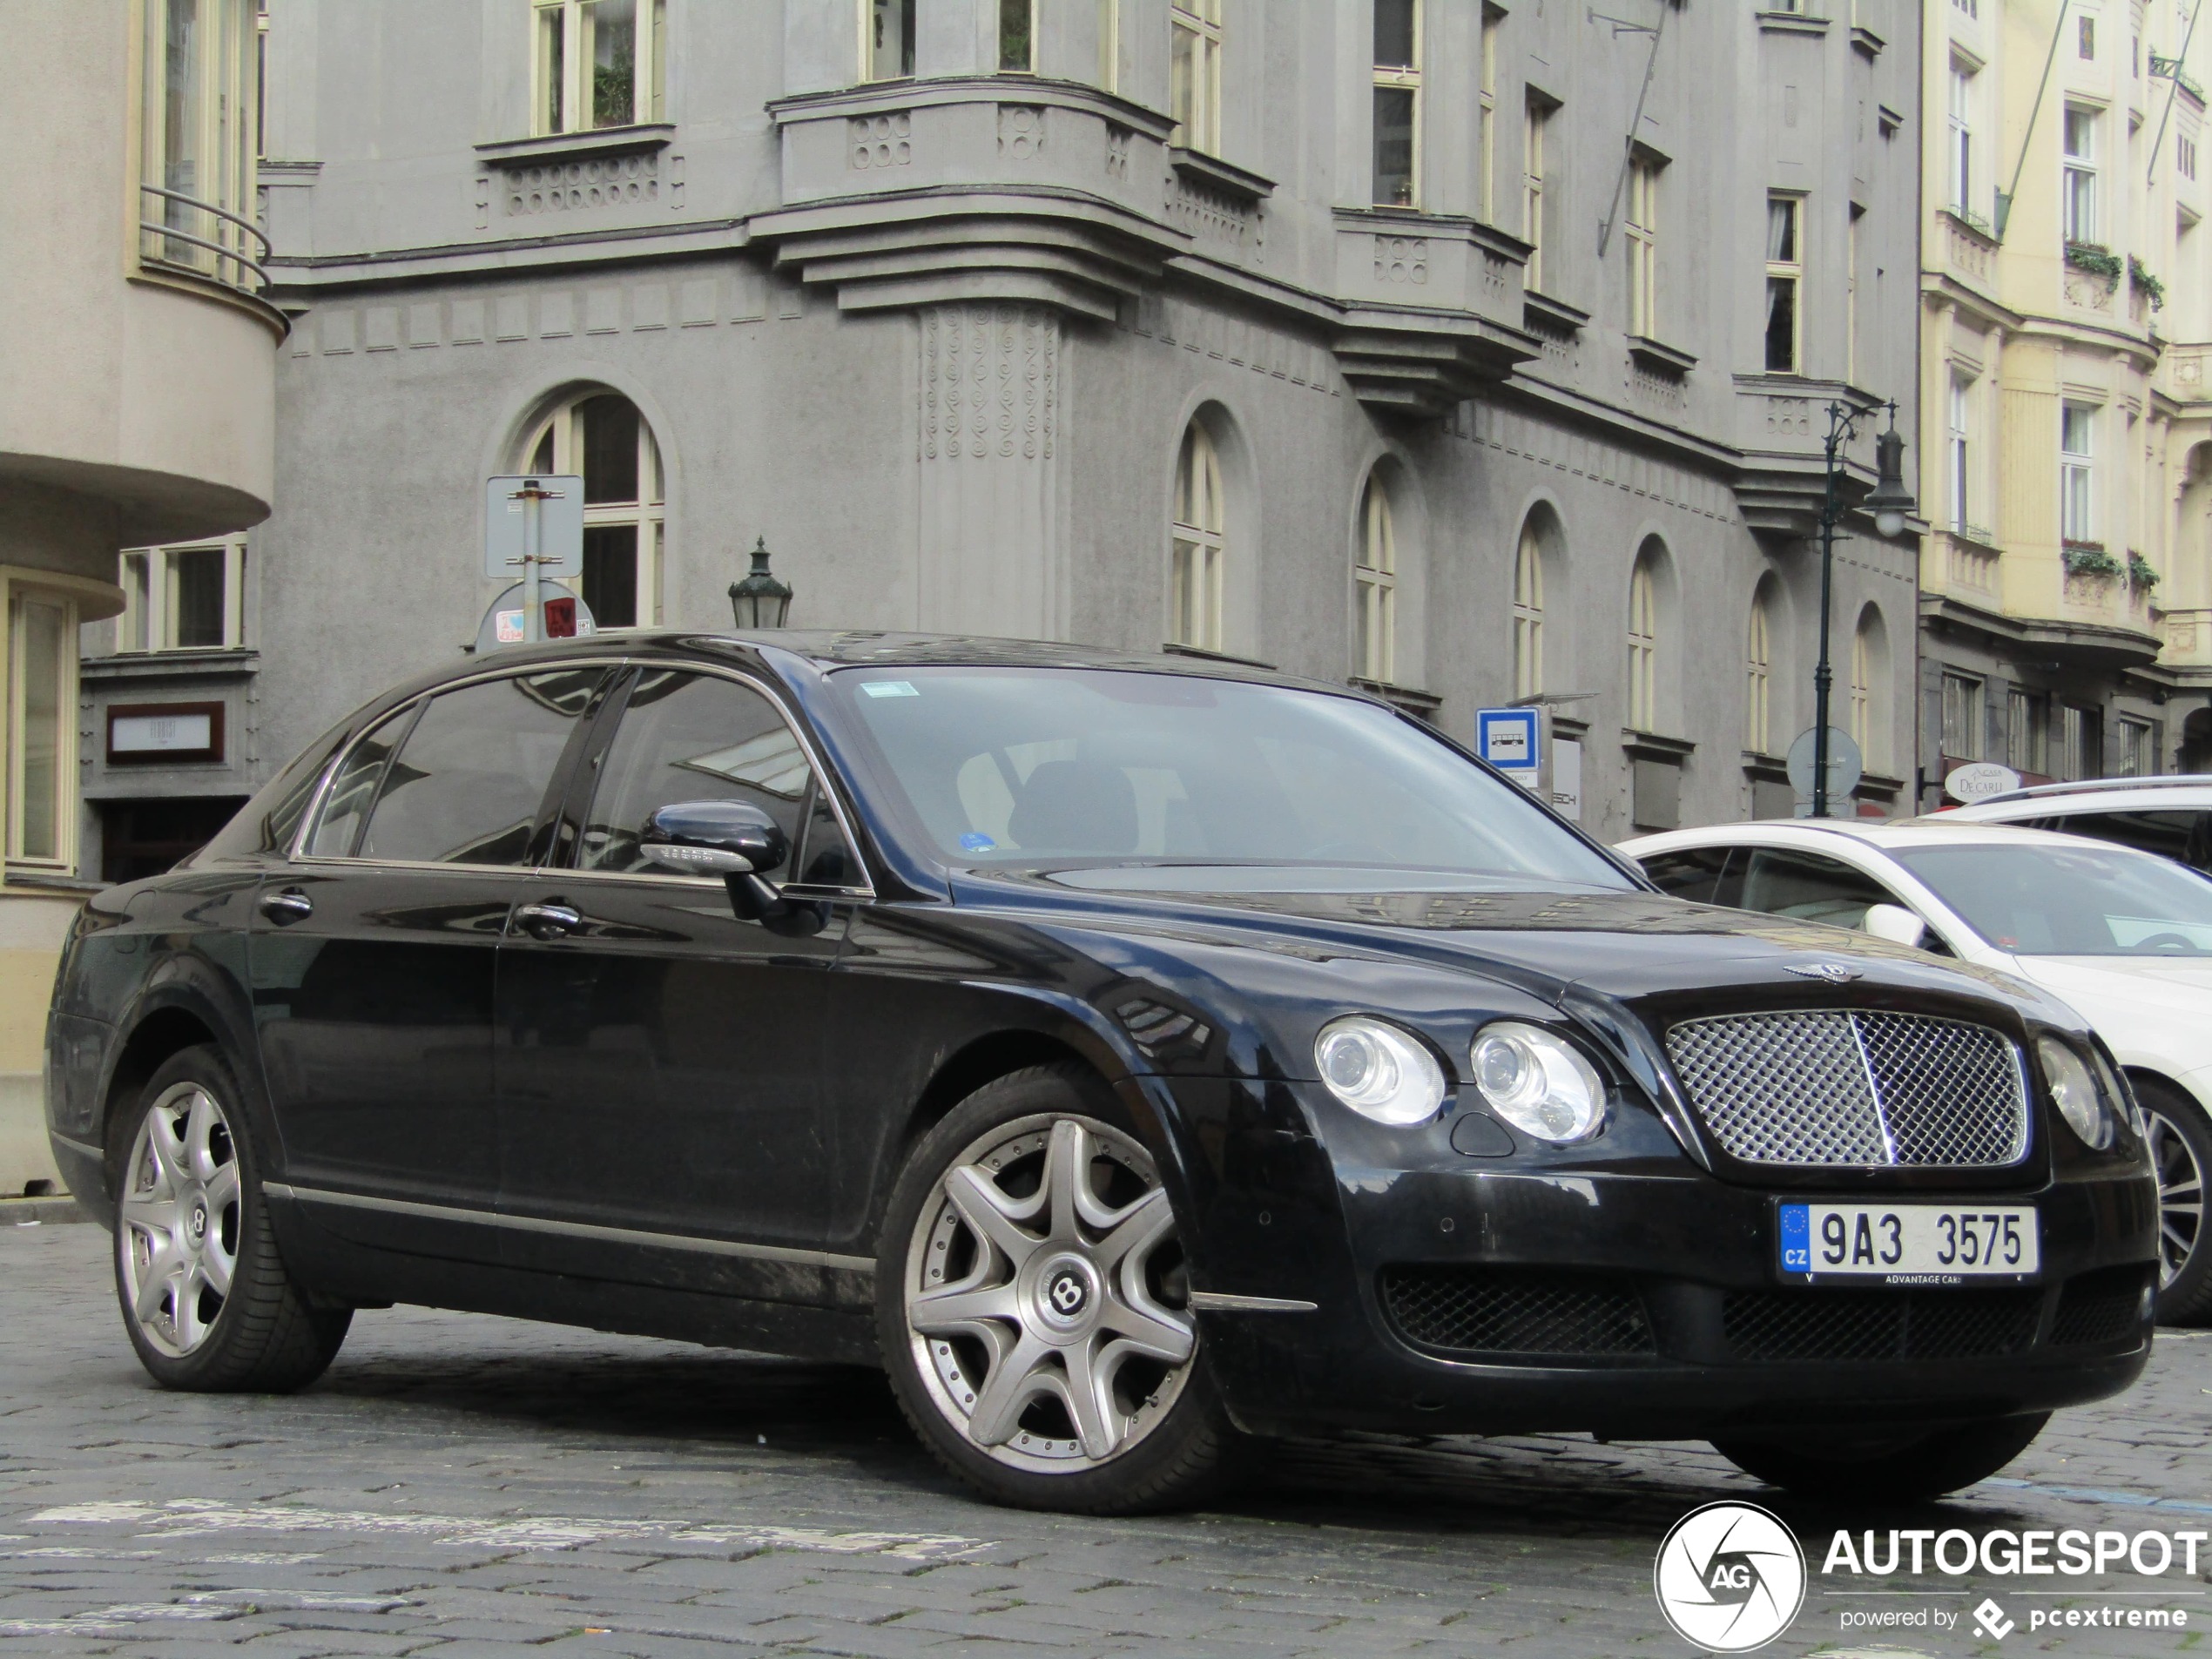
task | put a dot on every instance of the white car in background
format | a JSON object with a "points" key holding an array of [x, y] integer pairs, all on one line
{"points": [[2123, 936], [2168, 816]]}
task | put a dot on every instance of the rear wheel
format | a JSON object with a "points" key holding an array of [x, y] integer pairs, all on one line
{"points": [[1896, 1469], [205, 1295], [2180, 1152], [1032, 1305]]}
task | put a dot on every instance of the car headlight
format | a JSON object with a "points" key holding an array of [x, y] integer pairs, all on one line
{"points": [[2080, 1103], [1538, 1082], [1378, 1070], [2121, 1097]]}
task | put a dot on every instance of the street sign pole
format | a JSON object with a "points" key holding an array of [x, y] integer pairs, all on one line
{"points": [[532, 597]]}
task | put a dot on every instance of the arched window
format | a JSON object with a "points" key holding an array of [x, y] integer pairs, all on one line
{"points": [[1528, 613], [1374, 582], [1643, 646], [1759, 674], [601, 436], [1870, 673], [1201, 544]]}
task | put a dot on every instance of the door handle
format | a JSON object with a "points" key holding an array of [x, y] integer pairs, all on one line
{"points": [[288, 905], [544, 921]]}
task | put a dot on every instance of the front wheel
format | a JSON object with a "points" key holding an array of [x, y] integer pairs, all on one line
{"points": [[205, 1295], [1032, 1305], [2180, 1152], [1899, 1469]]}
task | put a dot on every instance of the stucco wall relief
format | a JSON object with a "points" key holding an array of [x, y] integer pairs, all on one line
{"points": [[882, 140], [577, 185]]}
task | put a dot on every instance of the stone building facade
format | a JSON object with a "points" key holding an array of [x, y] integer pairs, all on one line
{"points": [[1473, 352]]}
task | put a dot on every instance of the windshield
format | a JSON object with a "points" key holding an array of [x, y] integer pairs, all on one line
{"points": [[1011, 766], [2071, 901]]}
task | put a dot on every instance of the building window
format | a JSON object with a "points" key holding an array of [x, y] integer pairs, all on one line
{"points": [[2027, 732], [1643, 648], [2134, 760], [603, 438], [1201, 549], [1869, 670], [2076, 472], [1963, 720], [599, 63], [1397, 103], [1961, 142], [1528, 613], [41, 728], [199, 136], [2079, 202], [1851, 297], [2079, 732], [1784, 281], [1759, 676], [1374, 585], [2086, 37], [183, 598], [2185, 155], [1018, 36], [886, 39], [1194, 33], [1110, 44], [1533, 132], [1487, 116], [1644, 246], [1962, 456], [261, 80]]}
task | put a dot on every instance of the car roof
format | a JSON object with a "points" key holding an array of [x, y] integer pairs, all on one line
{"points": [[1887, 833], [2107, 795]]}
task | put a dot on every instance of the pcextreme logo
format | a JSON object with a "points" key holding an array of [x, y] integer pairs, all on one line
{"points": [[1729, 1577]]}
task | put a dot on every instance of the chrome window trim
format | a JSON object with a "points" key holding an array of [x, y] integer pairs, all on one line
{"points": [[571, 1229]]}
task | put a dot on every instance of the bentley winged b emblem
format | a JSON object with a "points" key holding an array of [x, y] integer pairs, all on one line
{"points": [[1834, 973]]}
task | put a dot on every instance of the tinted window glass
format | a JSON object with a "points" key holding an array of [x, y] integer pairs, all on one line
{"points": [[827, 859], [466, 785], [354, 787], [2179, 835], [266, 823], [691, 737], [1693, 873], [1808, 886], [2063, 901]]}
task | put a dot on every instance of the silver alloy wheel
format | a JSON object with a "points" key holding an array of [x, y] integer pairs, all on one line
{"points": [[2180, 1194], [178, 1227], [1044, 1292]]}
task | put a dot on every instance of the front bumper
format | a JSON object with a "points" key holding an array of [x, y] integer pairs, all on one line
{"points": [[1634, 1298]]}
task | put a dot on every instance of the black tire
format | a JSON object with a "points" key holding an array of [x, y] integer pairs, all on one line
{"points": [[2181, 1148], [262, 1335], [1182, 1454], [1905, 1469]]}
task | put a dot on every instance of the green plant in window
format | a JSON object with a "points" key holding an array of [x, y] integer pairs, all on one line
{"points": [[2140, 280], [2094, 257], [2091, 558], [1017, 22], [614, 82], [2139, 574]]}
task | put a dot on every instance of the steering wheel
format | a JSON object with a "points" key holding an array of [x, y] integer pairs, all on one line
{"points": [[2170, 942]]}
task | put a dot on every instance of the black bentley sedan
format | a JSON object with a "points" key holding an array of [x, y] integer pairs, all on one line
{"points": [[1126, 1053]]}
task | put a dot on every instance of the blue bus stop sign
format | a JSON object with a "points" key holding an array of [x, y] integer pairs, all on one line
{"points": [[1509, 740]]}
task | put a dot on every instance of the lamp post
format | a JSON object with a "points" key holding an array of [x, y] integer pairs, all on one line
{"points": [[758, 600], [1890, 503]]}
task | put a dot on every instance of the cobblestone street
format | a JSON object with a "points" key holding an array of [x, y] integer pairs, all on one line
{"points": [[460, 1485]]}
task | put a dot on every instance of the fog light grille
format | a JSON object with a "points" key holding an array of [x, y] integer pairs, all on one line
{"points": [[2100, 1309], [1850, 1324], [1467, 1310]]}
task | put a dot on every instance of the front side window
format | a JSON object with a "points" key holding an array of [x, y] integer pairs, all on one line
{"points": [[1693, 873], [1784, 282], [2070, 900], [603, 437], [1643, 247], [1208, 785], [1194, 32], [198, 133], [598, 63], [1529, 615], [2078, 185], [1018, 36], [1643, 648], [1374, 588], [2077, 432], [1962, 717], [687, 738], [183, 598], [471, 774], [1397, 103], [1758, 678], [886, 39], [41, 697], [1201, 544]]}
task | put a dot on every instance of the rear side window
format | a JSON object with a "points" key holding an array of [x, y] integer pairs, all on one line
{"points": [[686, 738], [1693, 873], [345, 808], [1808, 886], [472, 773], [2182, 836], [265, 824]]}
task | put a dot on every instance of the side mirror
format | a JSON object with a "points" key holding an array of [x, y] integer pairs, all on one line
{"points": [[737, 842], [1895, 923]]}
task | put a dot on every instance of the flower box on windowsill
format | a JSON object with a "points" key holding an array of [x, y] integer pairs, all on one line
{"points": [[1659, 358], [2090, 558], [2095, 260]]}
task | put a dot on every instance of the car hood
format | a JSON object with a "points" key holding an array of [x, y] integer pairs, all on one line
{"points": [[2152, 1011]]}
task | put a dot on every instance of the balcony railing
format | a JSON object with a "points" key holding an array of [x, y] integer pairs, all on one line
{"points": [[185, 234]]}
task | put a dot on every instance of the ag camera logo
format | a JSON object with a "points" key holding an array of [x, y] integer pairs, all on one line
{"points": [[1729, 1577]]}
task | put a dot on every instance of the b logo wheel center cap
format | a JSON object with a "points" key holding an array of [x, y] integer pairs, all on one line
{"points": [[1065, 1295], [1069, 1293], [198, 1221]]}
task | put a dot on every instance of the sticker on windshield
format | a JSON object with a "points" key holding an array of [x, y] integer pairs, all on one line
{"points": [[975, 841], [889, 688]]}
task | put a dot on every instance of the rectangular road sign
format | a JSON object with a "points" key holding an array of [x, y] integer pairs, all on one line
{"points": [[560, 526], [1509, 740]]}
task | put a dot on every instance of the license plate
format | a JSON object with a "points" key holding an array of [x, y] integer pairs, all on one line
{"points": [[1908, 1243]]}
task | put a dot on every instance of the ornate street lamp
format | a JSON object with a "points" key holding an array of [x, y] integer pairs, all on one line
{"points": [[1891, 505], [759, 601]]}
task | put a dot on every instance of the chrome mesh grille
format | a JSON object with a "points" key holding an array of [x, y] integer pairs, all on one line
{"points": [[1848, 1087]]}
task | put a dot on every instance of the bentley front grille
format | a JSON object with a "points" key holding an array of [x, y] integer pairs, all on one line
{"points": [[1854, 1086]]}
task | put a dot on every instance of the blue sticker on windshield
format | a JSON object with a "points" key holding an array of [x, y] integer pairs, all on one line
{"points": [[974, 842], [889, 688]]}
